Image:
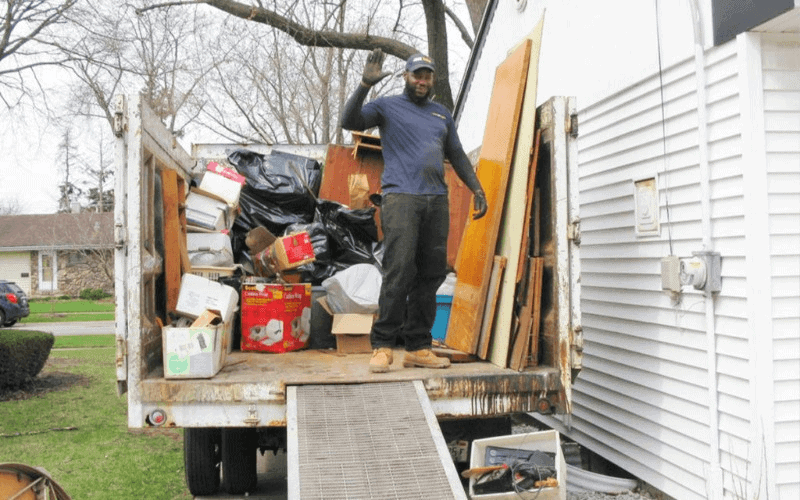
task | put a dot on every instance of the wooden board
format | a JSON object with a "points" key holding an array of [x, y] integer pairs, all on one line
{"points": [[341, 162], [491, 305], [514, 220], [172, 237], [476, 252], [529, 318], [536, 318]]}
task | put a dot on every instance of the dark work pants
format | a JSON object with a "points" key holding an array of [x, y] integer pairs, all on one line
{"points": [[414, 266]]}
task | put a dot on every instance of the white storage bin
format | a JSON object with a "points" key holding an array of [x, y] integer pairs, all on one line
{"points": [[546, 441]]}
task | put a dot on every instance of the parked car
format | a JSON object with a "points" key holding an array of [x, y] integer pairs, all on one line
{"points": [[13, 303]]}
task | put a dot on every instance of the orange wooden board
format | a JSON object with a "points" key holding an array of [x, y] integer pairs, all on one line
{"points": [[340, 164], [476, 253], [172, 236]]}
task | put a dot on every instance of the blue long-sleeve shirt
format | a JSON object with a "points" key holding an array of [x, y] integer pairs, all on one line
{"points": [[416, 138]]}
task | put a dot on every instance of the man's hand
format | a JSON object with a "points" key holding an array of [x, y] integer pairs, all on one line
{"points": [[372, 70], [479, 204]]}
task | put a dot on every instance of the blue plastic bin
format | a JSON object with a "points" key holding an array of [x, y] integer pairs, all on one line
{"points": [[439, 330]]}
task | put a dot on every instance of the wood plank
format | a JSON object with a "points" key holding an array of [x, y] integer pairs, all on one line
{"points": [[533, 353], [514, 219], [172, 237], [186, 264], [491, 304], [531, 192], [529, 319], [476, 252]]}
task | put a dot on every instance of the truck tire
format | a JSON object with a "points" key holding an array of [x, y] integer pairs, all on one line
{"points": [[201, 458], [239, 460]]}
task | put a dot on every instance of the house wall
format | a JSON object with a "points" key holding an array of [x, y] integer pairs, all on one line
{"points": [[15, 266], [699, 397], [780, 60], [77, 270]]}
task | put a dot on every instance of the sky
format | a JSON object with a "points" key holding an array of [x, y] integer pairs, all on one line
{"points": [[29, 158]]}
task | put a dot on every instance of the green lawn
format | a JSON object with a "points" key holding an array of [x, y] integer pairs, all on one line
{"points": [[50, 311], [100, 458]]}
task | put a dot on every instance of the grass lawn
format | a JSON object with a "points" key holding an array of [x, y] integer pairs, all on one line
{"points": [[51, 311], [77, 430]]}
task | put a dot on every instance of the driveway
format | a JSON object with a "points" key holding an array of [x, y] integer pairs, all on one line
{"points": [[69, 328]]}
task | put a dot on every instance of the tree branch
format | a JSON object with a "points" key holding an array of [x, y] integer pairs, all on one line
{"points": [[311, 37], [461, 28]]}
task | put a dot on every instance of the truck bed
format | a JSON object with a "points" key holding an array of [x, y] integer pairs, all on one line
{"points": [[263, 378]]}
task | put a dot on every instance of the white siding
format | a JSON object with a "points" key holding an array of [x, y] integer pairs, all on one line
{"points": [[642, 399], [781, 84]]}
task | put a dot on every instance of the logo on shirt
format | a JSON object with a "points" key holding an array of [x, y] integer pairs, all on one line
{"points": [[438, 115]]}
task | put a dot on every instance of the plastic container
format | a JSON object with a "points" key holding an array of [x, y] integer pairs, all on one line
{"points": [[439, 329]]}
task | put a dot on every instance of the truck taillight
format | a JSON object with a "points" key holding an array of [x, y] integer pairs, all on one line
{"points": [[157, 417], [11, 298]]}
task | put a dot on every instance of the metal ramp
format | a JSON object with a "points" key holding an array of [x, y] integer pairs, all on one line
{"points": [[376, 441]]}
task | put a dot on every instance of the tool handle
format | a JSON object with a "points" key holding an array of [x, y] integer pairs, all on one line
{"points": [[477, 471]]}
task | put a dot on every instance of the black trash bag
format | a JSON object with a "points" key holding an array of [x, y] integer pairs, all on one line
{"points": [[257, 210], [352, 232], [316, 272], [280, 190]]}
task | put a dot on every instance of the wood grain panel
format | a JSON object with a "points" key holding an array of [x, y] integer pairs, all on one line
{"points": [[476, 252], [509, 241]]}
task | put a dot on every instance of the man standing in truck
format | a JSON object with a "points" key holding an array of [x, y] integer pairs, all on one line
{"points": [[417, 135]]}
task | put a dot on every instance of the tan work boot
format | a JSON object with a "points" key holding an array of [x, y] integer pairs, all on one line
{"points": [[424, 358], [381, 360]]}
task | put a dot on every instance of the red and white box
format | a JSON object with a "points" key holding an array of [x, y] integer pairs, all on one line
{"points": [[275, 317], [223, 182]]}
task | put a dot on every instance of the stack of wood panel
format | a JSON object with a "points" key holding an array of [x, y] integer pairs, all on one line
{"points": [[495, 312]]}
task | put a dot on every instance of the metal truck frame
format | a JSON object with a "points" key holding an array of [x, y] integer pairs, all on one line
{"points": [[250, 392]]}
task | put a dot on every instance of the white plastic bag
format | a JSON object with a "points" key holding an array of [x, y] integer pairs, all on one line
{"points": [[354, 290]]}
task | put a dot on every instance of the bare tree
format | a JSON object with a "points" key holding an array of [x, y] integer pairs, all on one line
{"points": [[26, 36], [363, 38], [11, 206], [69, 191], [151, 52]]}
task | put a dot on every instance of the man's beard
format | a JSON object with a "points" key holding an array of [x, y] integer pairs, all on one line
{"points": [[411, 91]]}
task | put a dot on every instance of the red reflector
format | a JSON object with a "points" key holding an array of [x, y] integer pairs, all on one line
{"points": [[11, 298]]}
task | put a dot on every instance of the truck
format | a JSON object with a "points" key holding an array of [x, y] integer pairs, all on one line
{"points": [[242, 410]]}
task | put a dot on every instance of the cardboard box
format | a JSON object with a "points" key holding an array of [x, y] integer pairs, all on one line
{"points": [[286, 252], [195, 352], [546, 441], [223, 182], [275, 317], [198, 294], [351, 330]]}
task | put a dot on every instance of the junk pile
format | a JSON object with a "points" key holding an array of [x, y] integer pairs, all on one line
{"points": [[250, 249]]}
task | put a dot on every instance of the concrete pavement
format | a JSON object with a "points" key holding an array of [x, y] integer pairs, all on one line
{"points": [[68, 328]]}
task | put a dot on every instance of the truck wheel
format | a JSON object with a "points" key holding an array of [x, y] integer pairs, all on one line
{"points": [[201, 457], [239, 460]]}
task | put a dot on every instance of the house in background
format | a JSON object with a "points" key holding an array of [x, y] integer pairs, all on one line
{"points": [[688, 118], [58, 254]]}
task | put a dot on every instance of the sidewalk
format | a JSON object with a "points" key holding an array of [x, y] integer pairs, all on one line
{"points": [[68, 327]]}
